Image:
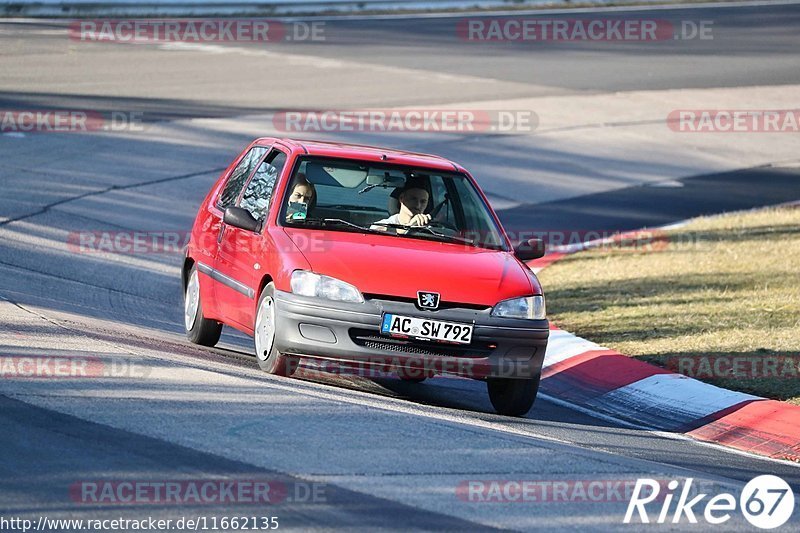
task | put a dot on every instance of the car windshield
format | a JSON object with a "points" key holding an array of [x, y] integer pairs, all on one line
{"points": [[403, 202]]}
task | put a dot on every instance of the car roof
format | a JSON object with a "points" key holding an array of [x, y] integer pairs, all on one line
{"points": [[364, 153]]}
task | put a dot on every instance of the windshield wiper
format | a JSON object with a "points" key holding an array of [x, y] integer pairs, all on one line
{"points": [[443, 235], [451, 238], [355, 207], [304, 222], [350, 224]]}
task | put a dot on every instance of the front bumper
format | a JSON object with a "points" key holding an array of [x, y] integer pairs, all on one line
{"points": [[500, 347]]}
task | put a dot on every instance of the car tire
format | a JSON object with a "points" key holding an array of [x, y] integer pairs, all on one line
{"points": [[269, 359], [512, 397], [199, 329]]}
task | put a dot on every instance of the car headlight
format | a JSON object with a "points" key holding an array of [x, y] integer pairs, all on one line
{"points": [[530, 307], [307, 283]]}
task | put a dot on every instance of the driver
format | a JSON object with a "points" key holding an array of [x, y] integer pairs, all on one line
{"points": [[413, 200]]}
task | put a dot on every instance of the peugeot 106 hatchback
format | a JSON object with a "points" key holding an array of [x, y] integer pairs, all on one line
{"points": [[366, 256]]}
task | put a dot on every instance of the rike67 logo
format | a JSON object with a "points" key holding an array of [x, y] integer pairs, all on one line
{"points": [[767, 502]]}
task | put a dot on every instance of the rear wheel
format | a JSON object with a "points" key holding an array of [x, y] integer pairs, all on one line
{"points": [[269, 358], [512, 397], [199, 329]]}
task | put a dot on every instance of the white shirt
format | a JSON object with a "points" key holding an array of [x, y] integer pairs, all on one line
{"points": [[394, 219]]}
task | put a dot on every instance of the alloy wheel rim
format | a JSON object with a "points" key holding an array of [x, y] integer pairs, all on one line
{"points": [[265, 328], [191, 301]]}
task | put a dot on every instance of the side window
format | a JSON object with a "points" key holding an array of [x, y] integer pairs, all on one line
{"points": [[239, 177], [439, 190], [258, 194]]}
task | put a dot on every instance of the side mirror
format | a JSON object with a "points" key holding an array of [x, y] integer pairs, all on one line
{"points": [[241, 218], [530, 249]]}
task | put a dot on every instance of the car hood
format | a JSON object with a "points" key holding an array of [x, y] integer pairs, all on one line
{"points": [[401, 266]]}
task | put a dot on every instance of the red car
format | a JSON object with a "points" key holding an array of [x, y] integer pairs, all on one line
{"points": [[367, 256]]}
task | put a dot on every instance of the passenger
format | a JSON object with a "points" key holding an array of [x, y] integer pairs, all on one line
{"points": [[302, 199]]}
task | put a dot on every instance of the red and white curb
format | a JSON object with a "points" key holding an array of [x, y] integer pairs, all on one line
{"points": [[581, 373]]}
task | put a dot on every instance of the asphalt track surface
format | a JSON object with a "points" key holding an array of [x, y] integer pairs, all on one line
{"points": [[389, 453]]}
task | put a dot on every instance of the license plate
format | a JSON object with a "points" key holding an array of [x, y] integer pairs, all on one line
{"points": [[426, 329]]}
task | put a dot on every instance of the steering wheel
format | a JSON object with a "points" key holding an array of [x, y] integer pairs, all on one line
{"points": [[438, 224], [435, 211]]}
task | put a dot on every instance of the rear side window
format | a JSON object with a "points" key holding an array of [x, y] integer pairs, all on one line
{"points": [[239, 176], [258, 194]]}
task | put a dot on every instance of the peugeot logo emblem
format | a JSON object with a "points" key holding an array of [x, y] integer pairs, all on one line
{"points": [[428, 300]]}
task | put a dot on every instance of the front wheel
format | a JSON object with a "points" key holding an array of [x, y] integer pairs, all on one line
{"points": [[512, 397], [199, 329], [269, 358]]}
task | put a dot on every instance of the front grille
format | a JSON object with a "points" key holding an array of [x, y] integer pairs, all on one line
{"points": [[442, 305], [368, 339]]}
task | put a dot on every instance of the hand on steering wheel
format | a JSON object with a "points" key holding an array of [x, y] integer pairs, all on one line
{"points": [[420, 220]]}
